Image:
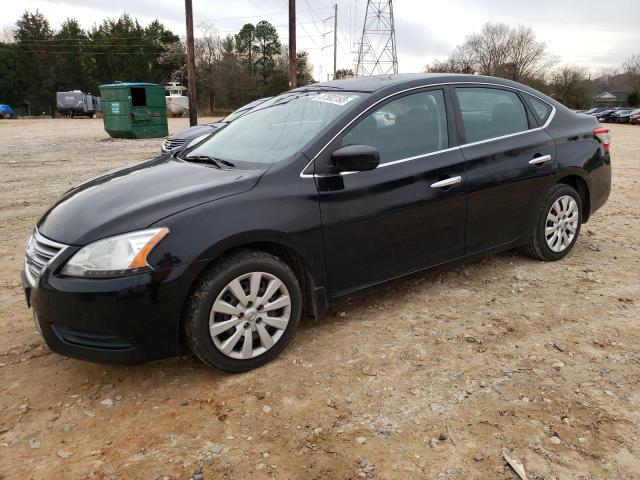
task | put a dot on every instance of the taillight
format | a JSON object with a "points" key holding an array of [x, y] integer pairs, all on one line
{"points": [[604, 136]]}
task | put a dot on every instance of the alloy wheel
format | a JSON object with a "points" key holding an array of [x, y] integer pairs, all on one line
{"points": [[562, 223], [250, 315]]}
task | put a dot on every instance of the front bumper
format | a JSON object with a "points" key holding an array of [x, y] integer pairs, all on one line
{"points": [[125, 320]]}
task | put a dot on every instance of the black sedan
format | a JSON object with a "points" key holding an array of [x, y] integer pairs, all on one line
{"points": [[190, 136], [595, 110], [319, 194], [624, 116], [606, 116]]}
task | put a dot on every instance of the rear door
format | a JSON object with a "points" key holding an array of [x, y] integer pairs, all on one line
{"points": [[509, 159], [395, 219]]}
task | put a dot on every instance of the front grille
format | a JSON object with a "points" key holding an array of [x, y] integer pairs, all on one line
{"points": [[171, 143], [40, 252]]}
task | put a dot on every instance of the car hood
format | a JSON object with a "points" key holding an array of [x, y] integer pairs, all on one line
{"points": [[196, 131], [135, 197]]}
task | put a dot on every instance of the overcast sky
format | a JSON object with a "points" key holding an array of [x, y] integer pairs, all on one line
{"points": [[592, 33]]}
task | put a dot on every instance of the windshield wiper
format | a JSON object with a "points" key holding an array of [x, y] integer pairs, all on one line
{"points": [[210, 160], [226, 162]]}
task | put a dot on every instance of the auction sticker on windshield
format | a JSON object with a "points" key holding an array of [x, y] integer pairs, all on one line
{"points": [[335, 98]]}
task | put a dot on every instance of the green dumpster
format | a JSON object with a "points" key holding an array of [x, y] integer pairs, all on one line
{"points": [[134, 110]]}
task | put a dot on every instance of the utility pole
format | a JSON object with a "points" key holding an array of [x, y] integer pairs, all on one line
{"points": [[292, 45], [191, 66], [335, 38]]}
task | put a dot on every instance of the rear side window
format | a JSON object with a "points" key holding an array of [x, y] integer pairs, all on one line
{"points": [[541, 109], [490, 113], [410, 126]]}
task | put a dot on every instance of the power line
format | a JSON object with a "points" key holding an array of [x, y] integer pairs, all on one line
{"points": [[88, 39], [75, 48], [82, 53], [311, 14], [256, 16]]}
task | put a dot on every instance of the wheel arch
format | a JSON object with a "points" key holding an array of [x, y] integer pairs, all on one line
{"points": [[312, 305], [582, 187], [313, 297]]}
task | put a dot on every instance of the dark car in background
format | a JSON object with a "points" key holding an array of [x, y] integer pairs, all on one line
{"points": [[605, 115], [595, 110], [322, 193], [624, 116], [190, 136]]}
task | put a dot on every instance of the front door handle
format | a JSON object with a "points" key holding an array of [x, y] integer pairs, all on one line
{"points": [[446, 182], [540, 160]]}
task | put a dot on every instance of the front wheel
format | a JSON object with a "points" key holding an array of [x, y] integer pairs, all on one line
{"points": [[243, 312], [557, 225]]}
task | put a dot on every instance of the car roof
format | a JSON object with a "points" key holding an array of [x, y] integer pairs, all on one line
{"points": [[378, 82]]}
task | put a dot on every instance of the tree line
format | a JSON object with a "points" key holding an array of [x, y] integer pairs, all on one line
{"points": [[36, 61], [515, 53]]}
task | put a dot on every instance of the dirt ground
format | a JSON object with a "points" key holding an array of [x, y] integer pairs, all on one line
{"points": [[431, 377]]}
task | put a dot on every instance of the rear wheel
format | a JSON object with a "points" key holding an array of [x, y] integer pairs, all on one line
{"points": [[243, 312], [557, 225]]}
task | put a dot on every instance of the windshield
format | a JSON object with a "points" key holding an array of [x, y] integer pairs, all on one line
{"points": [[278, 128], [242, 110]]}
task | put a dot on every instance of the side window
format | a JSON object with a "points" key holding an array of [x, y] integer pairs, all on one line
{"points": [[490, 113], [407, 127], [541, 109]]}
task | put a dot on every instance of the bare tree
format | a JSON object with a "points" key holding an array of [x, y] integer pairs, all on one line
{"points": [[489, 48], [499, 50], [460, 61], [208, 53], [570, 85], [526, 56], [631, 69], [6, 35], [174, 54]]}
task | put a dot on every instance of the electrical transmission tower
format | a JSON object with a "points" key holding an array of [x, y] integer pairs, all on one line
{"points": [[377, 48]]}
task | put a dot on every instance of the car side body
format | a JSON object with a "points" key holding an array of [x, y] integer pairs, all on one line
{"points": [[340, 233]]}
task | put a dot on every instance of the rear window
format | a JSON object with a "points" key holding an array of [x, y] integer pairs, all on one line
{"points": [[541, 109]]}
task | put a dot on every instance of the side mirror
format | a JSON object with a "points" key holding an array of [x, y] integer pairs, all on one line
{"points": [[355, 158]]}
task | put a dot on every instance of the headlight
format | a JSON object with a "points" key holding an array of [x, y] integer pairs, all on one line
{"points": [[197, 140], [115, 256]]}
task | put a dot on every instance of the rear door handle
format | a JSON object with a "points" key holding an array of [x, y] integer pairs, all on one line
{"points": [[447, 182], [540, 160]]}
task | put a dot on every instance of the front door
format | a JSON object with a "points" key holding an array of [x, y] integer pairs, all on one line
{"points": [[407, 214]]}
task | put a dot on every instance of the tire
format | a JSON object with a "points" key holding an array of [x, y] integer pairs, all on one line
{"points": [[552, 245], [242, 324]]}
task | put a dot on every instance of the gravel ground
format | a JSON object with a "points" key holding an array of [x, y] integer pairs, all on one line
{"points": [[432, 377]]}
